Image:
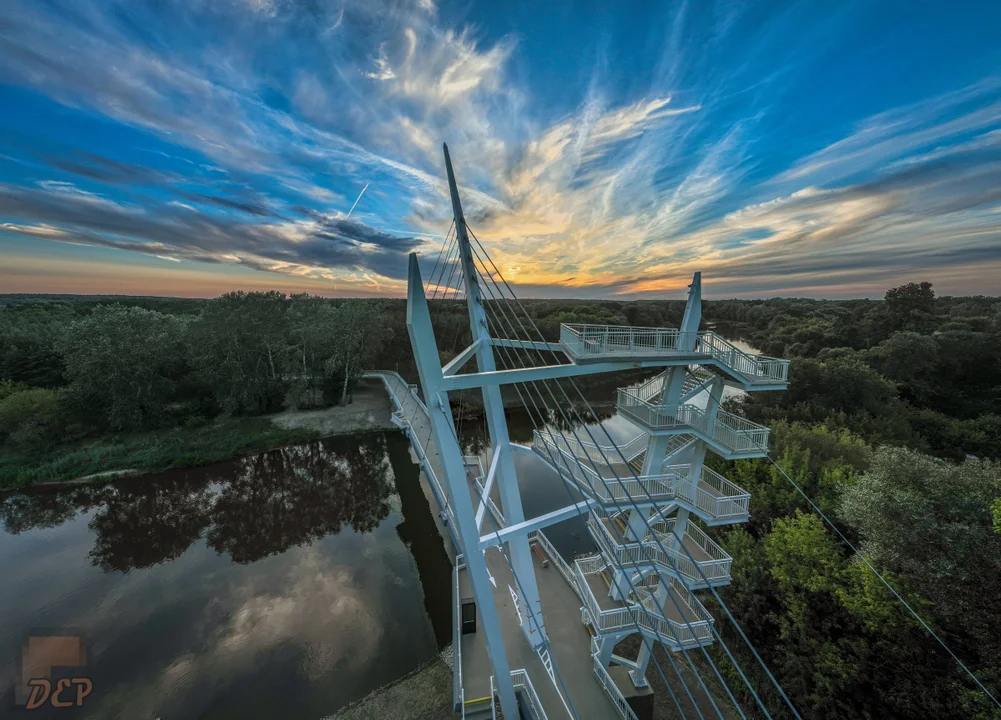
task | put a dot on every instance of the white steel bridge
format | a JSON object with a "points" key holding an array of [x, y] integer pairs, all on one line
{"points": [[546, 627]]}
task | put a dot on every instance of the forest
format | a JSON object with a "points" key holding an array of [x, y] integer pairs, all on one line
{"points": [[891, 425]]}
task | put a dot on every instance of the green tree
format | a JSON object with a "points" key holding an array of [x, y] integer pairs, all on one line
{"points": [[910, 306], [242, 349], [121, 362], [361, 334], [930, 521], [30, 419]]}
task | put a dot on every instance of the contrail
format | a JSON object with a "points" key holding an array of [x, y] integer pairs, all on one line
{"points": [[356, 200]]}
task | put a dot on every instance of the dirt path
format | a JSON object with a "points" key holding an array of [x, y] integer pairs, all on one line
{"points": [[370, 410]]}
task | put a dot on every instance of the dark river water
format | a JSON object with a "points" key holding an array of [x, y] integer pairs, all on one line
{"points": [[283, 585]]}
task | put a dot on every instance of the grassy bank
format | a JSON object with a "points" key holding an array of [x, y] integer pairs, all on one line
{"points": [[148, 452]]}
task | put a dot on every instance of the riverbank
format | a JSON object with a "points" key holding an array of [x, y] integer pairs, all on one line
{"points": [[424, 694], [225, 438]]}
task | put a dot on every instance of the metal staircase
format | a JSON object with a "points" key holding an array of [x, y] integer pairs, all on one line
{"points": [[650, 491], [712, 497]]}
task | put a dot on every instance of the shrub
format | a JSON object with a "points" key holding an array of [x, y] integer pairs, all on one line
{"points": [[30, 420]]}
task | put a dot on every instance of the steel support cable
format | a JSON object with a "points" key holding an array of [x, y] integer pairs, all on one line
{"points": [[445, 242], [645, 640], [625, 575], [455, 265], [646, 522], [876, 572], [618, 566], [449, 247], [726, 609], [441, 271], [445, 266]]}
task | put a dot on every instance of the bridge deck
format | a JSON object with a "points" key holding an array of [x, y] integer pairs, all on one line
{"points": [[569, 644], [569, 639]]}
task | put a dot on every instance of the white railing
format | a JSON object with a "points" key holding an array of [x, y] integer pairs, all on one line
{"points": [[646, 614], [737, 434], [554, 557], [597, 452], [520, 679], [662, 552], [607, 684], [728, 501], [457, 639], [594, 341], [605, 490]]}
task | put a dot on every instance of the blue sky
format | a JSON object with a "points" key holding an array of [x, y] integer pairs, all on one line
{"points": [[603, 149]]}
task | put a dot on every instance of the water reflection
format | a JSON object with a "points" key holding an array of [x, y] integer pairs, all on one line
{"points": [[248, 509], [283, 585]]}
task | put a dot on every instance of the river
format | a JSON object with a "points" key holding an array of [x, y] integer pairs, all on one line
{"points": [[285, 584]]}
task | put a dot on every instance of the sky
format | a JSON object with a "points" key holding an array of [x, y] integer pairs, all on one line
{"points": [[192, 147]]}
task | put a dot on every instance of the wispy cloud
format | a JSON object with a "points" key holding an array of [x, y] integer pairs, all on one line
{"points": [[623, 192]]}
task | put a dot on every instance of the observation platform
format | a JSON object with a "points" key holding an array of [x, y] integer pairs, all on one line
{"points": [[680, 622], [713, 498], [610, 343], [699, 564]]}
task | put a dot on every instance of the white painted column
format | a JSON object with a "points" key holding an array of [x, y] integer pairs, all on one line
{"points": [[429, 367], [530, 607]]}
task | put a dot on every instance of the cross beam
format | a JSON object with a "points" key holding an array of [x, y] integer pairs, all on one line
{"points": [[548, 372], [461, 359], [537, 523], [487, 486]]}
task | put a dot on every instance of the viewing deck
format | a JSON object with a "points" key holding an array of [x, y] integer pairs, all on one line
{"points": [[712, 497], [684, 622], [595, 343], [711, 564], [731, 436]]}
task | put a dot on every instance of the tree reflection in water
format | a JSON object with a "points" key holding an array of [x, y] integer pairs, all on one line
{"points": [[249, 509]]}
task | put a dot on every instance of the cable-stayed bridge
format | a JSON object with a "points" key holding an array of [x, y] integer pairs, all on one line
{"points": [[545, 627]]}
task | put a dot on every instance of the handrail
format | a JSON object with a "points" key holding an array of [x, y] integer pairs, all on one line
{"points": [[583, 340], [607, 684], [597, 452], [698, 536], [457, 639], [734, 432], [673, 483], [604, 489], [554, 557], [731, 500], [520, 678], [660, 551], [682, 634]]}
